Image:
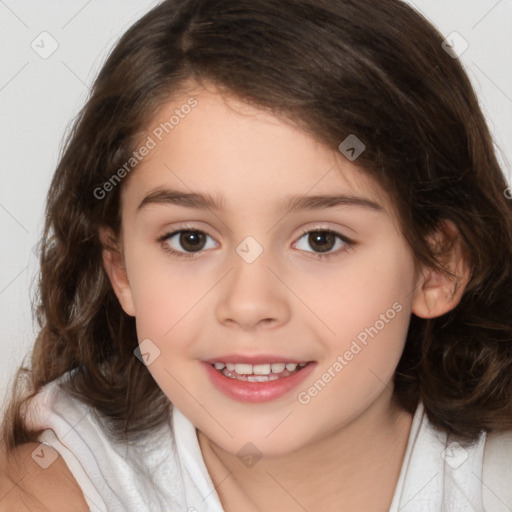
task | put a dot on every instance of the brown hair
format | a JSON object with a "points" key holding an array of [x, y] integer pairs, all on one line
{"points": [[335, 67]]}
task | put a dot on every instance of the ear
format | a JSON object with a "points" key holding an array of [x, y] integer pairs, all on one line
{"points": [[116, 271], [437, 292]]}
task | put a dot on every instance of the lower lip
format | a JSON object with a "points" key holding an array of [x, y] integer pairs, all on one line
{"points": [[256, 392]]}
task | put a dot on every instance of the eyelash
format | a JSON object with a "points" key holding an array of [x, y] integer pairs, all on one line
{"points": [[349, 244]]}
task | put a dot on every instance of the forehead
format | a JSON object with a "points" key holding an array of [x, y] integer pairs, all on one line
{"points": [[239, 154]]}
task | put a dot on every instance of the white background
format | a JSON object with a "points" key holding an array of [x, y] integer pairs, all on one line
{"points": [[39, 98]]}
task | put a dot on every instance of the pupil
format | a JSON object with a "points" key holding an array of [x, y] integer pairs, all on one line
{"points": [[192, 239], [322, 237]]}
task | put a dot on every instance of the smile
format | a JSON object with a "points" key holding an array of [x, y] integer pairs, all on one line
{"points": [[258, 372], [257, 383]]}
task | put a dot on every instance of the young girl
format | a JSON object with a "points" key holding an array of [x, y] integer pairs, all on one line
{"points": [[275, 275]]}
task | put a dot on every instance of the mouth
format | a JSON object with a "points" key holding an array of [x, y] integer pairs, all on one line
{"points": [[258, 372], [257, 383]]}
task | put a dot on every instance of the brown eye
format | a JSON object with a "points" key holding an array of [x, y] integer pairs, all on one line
{"points": [[185, 242], [192, 240], [324, 241]]}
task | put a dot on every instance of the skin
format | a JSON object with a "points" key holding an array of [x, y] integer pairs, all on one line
{"points": [[25, 486], [318, 455]]}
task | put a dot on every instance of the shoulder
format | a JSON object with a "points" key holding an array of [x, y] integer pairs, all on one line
{"points": [[28, 484], [497, 472], [498, 451]]}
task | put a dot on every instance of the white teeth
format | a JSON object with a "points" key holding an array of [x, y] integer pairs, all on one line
{"points": [[278, 367], [261, 369], [261, 378], [268, 370], [243, 369]]}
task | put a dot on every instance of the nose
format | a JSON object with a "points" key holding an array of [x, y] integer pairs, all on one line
{"points": [[253, 296]]}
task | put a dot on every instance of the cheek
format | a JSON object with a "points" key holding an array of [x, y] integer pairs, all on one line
{"points": [[166, 302], [164, 292], [170, 301], [353, 295], [367, 307]]}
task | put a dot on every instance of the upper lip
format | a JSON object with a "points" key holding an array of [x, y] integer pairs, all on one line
{"points": [[254, 359]]}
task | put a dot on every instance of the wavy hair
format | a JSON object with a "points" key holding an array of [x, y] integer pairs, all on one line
{"points": [[334, 67]]}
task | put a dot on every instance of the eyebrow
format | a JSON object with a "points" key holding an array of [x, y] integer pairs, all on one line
{"points": [[165, 196]]}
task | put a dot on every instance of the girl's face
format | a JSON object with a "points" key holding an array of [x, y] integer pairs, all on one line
{"points": [[247, 281]]}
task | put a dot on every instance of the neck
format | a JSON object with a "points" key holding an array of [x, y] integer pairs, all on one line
{"points": [[337, 469]]}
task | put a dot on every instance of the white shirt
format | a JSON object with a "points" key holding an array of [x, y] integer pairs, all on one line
{"points": [[165, 472]]}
